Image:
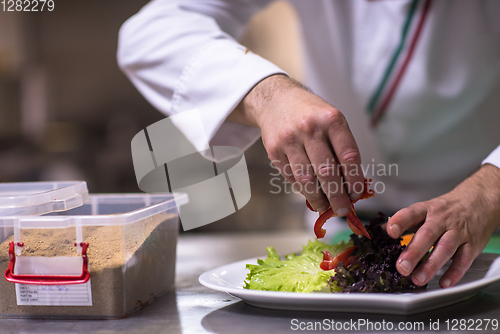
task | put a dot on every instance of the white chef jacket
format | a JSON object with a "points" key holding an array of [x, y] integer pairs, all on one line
{"points": [[442, 120]]}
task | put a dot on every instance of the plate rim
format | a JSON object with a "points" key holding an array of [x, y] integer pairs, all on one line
{"points": [[404, 299]]}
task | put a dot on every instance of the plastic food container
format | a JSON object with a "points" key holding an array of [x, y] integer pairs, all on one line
{"points": [[104, 259]]}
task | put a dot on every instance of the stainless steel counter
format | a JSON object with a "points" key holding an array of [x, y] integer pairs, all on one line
{"points": [[192, 308]]}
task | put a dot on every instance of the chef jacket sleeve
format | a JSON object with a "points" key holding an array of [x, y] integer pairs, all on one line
{"points": [[183, 54], [493, 158]]}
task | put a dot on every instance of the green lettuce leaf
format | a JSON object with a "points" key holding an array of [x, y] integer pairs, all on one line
{"points": [[296, 273]]}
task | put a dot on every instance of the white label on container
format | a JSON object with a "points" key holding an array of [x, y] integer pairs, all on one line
{"points": [[52, 295]]}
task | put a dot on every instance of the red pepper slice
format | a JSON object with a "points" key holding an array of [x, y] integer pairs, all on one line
{"points": [[309, 206], [354, 229], [367, 192], [330, 262], [318, 226], [350, 260], [352, 220]]}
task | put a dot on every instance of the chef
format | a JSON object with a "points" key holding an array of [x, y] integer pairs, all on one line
{"points": [[412, 83]]}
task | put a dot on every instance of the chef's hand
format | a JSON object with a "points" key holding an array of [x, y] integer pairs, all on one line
{"points": [[458, 225], [306, 139]]}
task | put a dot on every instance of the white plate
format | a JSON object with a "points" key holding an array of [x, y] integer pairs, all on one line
{"points": [[229, 278]]}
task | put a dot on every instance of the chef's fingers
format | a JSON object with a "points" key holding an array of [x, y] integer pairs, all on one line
{"points": [[329, 174], [422, 241], [284, 167], [462, 260], [347, 153], [305, 178], [405, 219], [443, 250], [281, 163]]}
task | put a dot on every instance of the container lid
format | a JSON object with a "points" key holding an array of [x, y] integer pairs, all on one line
{"points": [[38, 198], [104, 210]]}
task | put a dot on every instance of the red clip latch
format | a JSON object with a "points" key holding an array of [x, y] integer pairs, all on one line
{"points": [[47, 279]]}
